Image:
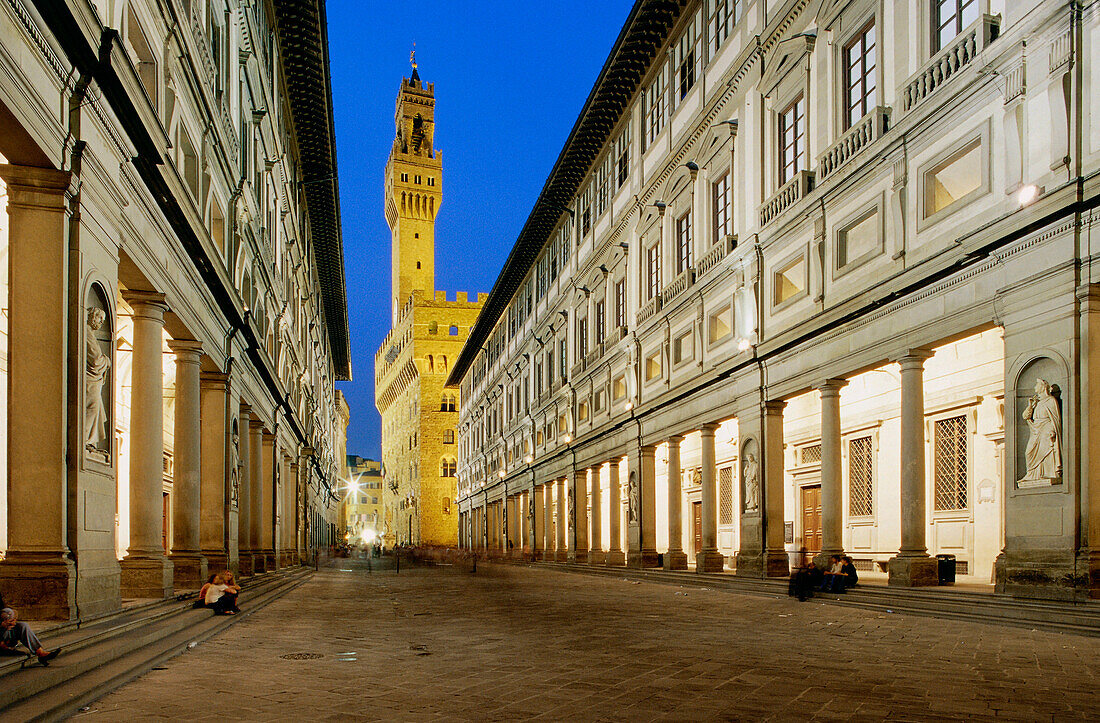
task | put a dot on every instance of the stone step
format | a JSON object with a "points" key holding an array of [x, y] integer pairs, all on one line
{"points": [[1080, 618], [94, 662]]}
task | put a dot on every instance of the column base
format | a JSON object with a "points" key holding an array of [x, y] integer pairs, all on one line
{"points": [[146, 577], [914, 571], [710, 561], [259, 563], [597, 557], [561, 556], [643, 559], [216, 561], [677, 560], [615, 558], [245, 567], [579, 556], [749, 564], [821, 559], [189, 570], [40, 586], [777, 563], [1048, 574], [269, 561], [536, 555]]}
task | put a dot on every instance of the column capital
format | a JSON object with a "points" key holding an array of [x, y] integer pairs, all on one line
{"points": [[32, 186], [580, 473], [708, 429], [186, 350], [913, 357], [675, 439], [831, 387], [269, 438], [647, 450], [148, 304], [246, 409], [775, 407]]}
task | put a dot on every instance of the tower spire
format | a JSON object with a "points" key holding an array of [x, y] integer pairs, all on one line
{"points": [[412, 62]]}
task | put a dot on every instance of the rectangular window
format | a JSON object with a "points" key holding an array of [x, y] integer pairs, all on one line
{"points": [[954, 179], [725, 496], [653, 271], [859, 75], [950, 463], [686, 54], [602, 184], [582, 339], [949, 18], [620, 303], [789, 281], [563, 360], [721, 200], [597, 401], [601, 321], [563, 424], [582, 412], [683, 347], [720, 325], [725, 17], [653, 366], [618, 388], [683, 243], [792, 140], [586, 210], [859, 240], [622, 158], [861, 468], [655, 107]]}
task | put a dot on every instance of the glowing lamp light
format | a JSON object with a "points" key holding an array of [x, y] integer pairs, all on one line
{"points": [[528, 459], [744, 345], [568, 438], [1027, 194], [502, 474], [629, 406]]}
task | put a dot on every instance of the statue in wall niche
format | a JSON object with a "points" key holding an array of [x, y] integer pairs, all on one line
{"points": [[572, 497], [96, 371], [531, 508], [752, 483], [1044, 422], [633, 501], [697, 477], [235, 468]]}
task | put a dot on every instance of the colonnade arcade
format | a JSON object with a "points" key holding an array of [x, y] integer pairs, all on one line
{"points": [[889, 465]]}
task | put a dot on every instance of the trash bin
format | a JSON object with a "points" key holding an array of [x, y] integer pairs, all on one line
{"points": [[946, 569]]}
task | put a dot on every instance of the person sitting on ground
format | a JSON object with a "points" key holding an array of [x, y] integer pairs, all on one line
{"points": [[851, 577], [201, 602], [833, 578], [221, 597], [13, 632], [804, 581]]}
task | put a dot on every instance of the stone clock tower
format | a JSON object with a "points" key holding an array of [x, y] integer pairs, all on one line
{"points": [[414, 190]]}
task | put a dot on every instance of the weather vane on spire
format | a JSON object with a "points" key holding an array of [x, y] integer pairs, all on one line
{"points": [[412, 56]]}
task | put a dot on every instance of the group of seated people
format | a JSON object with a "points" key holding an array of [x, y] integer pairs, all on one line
{"points": [[13, 632], [840, 576], [220, 594]]}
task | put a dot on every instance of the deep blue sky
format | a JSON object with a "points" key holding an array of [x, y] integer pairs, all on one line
{"points": [[510, 78]]}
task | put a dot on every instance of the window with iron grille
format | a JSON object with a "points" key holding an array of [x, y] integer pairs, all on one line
{"points": [[725, 17], [810, 454], [792, 140], [620, 303], [950, 463], [949, 17], [859, 75], [683, 243], [653, 271], [861, 477], [720, 198], [655, 107], [725, 496]]}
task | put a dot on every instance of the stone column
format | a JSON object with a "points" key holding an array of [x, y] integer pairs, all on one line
{"points": [[37, 574], [578, 516], [294, 533], [615, 557], [523, 503], [561, 552], [538, 523], [675, 558], [267, 502], [549, 546], [215, 533], [912, 566], [832, 494], [709, 559], [776, 561], [596, 554], [643, 538], [146, 570], [256, 494], [189, 566], [244, 491]]}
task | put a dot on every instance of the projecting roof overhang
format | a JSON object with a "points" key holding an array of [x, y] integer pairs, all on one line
{"points": [[302, 30], [638, 43]]}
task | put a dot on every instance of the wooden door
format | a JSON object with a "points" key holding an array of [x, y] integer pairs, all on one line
{"points": [[697, 524], [811, 518]]}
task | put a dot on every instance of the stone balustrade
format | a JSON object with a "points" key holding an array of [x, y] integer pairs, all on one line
{"points": [[650, 308], [717, 252], [678, 286], [947, 63], [867, 130], [787, 195]]}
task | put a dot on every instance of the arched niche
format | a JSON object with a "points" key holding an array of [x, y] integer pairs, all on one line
{"points": [[99, 332], [1040, 424], [750, 476]]}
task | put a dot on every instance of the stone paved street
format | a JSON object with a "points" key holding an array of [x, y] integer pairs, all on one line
{"points": [[513, 643]]}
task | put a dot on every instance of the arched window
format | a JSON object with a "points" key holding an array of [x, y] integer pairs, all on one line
{"points": [[443, 364], [448, 436], [448, 467], [431, 364], [453, 331]]}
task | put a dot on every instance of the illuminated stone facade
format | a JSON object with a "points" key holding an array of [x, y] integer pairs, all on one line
{"points": [[419, 450], [362, 503], [807, 278]]}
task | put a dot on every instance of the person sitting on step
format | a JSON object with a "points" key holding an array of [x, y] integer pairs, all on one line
{"points": [[804, 581], [851, 577], [834, 576], [13, 632], [201, 602], [222, 597]]}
